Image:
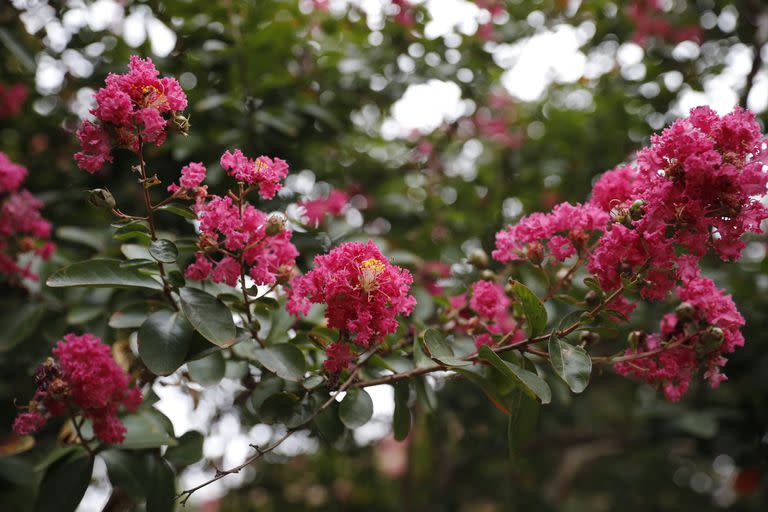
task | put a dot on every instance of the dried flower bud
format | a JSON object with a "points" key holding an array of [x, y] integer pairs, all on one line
{"points": [[685, 312], [101, 198], [592, 298], [478, 258]]}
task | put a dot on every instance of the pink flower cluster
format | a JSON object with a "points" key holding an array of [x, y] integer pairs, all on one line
{"points": [[697, 187], [23, 230], [714, 321], [83, 379], [694, 188], [191, 181], [567, 230], [649, 20], [133, 108], [264, 171], [363, 292], [317, 209], [240, 234], [12, 98], [486, 313]]}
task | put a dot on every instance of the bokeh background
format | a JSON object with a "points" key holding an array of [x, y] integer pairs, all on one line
{"points": [[444, 120]]}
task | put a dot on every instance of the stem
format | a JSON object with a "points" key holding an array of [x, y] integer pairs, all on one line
{"points": [[186, 494], [151, 222], [80, 435]]}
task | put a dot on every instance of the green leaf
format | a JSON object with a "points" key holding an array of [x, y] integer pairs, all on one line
{"points": [[524, 415], [313, 381], [531, 383], [130, 317], [264, 389], [533, 308], [64, 483], [209, 316], [126, 470], [281, 322], [164, 341], [571, 363], [177, 209], [440, 350], [101, 273], [209, 370], [188, 451], [163, 251], [356, 408], [401, 420], [83, 313], [284, 360], [493, 394], [147, 428], [18, 322], [161, 491]]}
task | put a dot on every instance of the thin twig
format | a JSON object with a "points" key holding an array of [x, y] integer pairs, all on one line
{"points": [[221, 473], [151, 222]]}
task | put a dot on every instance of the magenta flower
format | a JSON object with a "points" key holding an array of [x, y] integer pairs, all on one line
{"points": [[363, 292]]}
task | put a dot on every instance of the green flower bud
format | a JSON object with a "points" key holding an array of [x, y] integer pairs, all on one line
{"points": [[275, 225], [101, 198]]}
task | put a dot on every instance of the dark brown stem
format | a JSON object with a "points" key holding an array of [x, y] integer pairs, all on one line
{"points": [[151, 222]]}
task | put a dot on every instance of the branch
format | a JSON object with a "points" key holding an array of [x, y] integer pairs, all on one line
{"points": [[151, 222], [186, 494]]}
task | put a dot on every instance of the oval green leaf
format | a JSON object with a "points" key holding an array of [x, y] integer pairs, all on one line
{"points": [[163, 251], [164, 341], [209, 316], [209, 370], [532, 384], [356, 408], [101, 273], [571, 363], [284, 360], [533, 308], [65, 483]]}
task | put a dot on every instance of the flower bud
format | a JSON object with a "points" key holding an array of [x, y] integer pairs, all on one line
{"points": [[685, 312], [592, 298], [535, 253], [275, 225], [636, 210], [478, 258], [101, 198], [588, 337], [487, 275], [180, 124], [635, 338], [713, 337]]}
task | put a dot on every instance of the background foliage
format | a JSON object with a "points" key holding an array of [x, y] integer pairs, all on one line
{"points": [[315, 87]]}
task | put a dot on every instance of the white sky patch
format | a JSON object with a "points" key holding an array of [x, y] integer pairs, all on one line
{"points": [[448, 16], [535, 62], [720, 91], [424, 107]]}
